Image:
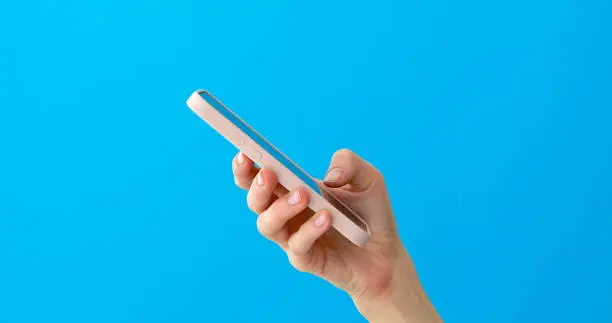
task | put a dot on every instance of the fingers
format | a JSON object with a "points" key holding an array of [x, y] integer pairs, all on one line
{"points": [[284, 217], [346, 168], [302, 241], [244, 171], [272, 223], [262, 191]]}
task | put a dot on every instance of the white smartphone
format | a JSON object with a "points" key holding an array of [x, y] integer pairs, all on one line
{"points": [[257, 148]]}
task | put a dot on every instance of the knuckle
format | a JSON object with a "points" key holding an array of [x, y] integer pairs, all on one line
{"points": [[239, 182], [238, 172], [344, 152], [377, 174], [299, 262], [263, 225], [253, 203], [296, 246], [236, 168], [245, 184]]}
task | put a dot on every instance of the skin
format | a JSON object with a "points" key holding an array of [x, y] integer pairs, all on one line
{"points": [[380, 278]]}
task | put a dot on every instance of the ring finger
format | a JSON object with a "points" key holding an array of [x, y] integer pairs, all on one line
{"points": [[271, 223]]}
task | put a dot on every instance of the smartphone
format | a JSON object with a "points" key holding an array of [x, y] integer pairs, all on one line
{"points": [[290, 175]]}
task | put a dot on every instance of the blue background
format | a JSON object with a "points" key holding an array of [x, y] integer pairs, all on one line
{"points": [[491, 121]]}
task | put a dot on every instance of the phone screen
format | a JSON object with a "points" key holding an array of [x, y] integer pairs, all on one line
{"points": [[227, 113]]}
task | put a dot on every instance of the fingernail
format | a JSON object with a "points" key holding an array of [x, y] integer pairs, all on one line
{"points": [[333, 175], [240, 159], [294, 198], [320, 220], [259, 179]]}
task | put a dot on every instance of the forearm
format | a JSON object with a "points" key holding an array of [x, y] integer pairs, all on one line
{"points": [[405, 302]]}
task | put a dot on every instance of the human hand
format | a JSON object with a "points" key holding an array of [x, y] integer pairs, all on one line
{"points": [[379, 277]]}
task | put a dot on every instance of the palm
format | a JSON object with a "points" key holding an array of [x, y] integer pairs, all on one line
{"points": [[328, 254], [335, 259]]}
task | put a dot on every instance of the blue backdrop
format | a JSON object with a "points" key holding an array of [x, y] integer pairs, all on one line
{"points": [[117, 203]]}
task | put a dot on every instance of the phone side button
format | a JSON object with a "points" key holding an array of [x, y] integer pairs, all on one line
{"points": [[235, 139], [253, 154]]}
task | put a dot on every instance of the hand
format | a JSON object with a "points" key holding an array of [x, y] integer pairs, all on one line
{"points": [[379, 277]]}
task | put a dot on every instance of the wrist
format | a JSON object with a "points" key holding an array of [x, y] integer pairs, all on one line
{"points": [[404, 301]]}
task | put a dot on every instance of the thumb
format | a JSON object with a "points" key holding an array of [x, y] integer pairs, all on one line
{"points": [[348, 170], [361, 186]]}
